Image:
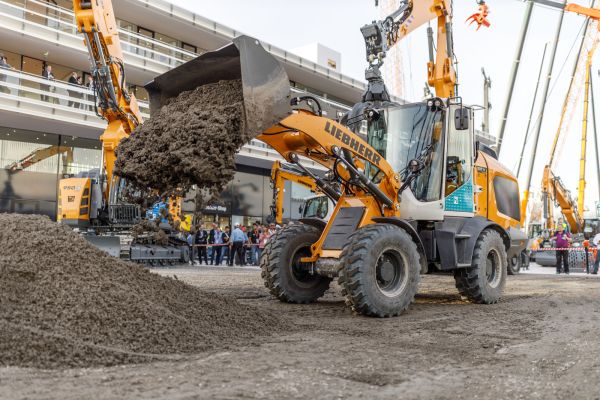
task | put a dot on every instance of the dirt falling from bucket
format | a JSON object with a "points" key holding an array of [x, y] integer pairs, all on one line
{"points": [[64, 303], [191, 140]]}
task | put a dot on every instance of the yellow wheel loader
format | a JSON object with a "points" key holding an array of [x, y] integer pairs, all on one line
{"points": [[418, 194]]}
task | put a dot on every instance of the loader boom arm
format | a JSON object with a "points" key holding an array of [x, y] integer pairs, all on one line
{"points": [[278, 177]]}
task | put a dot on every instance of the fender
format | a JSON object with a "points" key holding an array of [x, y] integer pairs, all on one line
{"points": [[456, 238], [407, 226]]}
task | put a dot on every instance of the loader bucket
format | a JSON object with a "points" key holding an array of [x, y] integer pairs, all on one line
{"points": [[265, 83], [108, 244]]}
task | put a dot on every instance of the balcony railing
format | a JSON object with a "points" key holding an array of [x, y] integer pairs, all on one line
{"points": [[32, 92], [62, 20]]}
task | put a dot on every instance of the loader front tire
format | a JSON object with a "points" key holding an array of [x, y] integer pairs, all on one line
{"points": [[283, 273], [380, 270], [484, 281]]}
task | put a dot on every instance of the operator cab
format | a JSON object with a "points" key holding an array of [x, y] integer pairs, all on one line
{"points": [[437, 139]]}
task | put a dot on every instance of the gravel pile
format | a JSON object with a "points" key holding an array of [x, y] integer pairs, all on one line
{"points": [[64, 303]]}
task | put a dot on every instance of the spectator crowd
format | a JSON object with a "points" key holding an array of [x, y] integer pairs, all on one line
{"points": [[242, 245]]}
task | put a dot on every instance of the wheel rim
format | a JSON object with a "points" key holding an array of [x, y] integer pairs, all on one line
{"points": [[391, 273], [299, 269], [493, 268]]}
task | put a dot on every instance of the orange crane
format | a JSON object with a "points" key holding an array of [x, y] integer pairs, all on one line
{"points": [[552, 187]]}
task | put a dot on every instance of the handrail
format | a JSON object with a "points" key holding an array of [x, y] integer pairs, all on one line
{"points": [[85, 92], [177, 54]]}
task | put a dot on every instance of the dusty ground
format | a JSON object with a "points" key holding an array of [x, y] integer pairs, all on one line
{"points": [[541, 341]]}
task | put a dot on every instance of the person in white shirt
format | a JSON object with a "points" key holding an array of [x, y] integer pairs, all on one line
{"points": [[596, 242]]}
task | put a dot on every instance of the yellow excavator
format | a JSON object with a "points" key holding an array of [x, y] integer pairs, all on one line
{"points": [[418, 194], [93, 198], [94, 201]]}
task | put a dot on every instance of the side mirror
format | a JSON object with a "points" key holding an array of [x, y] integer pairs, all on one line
{"points": [[461, 119]]}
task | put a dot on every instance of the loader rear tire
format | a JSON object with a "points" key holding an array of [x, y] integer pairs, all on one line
{"points": [[484, 281], [514, 265], [380, 270], [283, 273]]}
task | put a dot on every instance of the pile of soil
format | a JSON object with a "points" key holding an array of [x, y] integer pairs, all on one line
{"points": [[64, 303], [191, 140]]}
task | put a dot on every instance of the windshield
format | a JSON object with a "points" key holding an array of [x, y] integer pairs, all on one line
{"points": [[407, 132], [316, 207]]}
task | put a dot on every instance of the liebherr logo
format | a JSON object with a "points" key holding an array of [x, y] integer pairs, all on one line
{"points": [[358, 147]]}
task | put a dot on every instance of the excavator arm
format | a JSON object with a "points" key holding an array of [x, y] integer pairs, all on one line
{"points": [[40, 155], [380, 36], [96, 21], [554, 192]]}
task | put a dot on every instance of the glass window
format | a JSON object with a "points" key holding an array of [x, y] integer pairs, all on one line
{"points": [[459, 159], [145, 32], [248, 194], [189, 47], [28, 174], [507, 197], [166, 39], [13, 59], [33, 66], [145, 44], [126, 25], [316, 207], [68, 4], [83, 155], [408, 132], [299, 194], [139, 92]]}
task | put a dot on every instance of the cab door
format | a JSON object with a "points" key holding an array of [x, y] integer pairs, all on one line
{"points": [[458, 169], [481, 186]]}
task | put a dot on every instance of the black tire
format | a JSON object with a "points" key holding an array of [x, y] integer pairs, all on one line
{"points": [[514, 265], [380, 270], [281, 269], [484, 281]]}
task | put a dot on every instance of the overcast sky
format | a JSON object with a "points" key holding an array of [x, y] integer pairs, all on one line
{"points": [[336, 24]]}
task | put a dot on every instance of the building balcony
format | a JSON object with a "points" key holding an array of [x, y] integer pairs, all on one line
{"points": [[43, 29], [33, 103]]}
